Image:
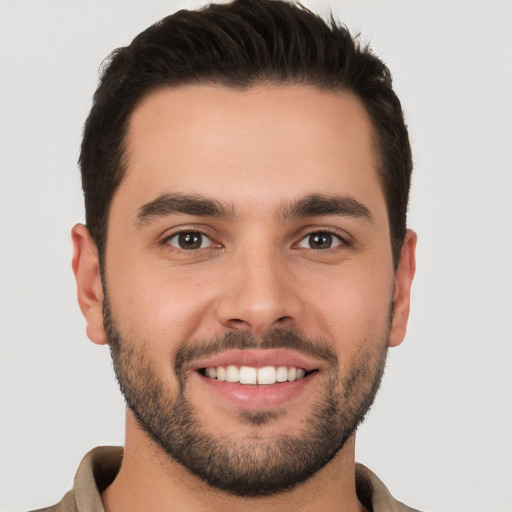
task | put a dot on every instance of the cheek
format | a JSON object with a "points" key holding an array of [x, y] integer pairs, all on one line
{"points": [[351, 308], [159, 305]]}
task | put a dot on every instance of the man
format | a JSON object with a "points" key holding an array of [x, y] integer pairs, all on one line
{"points": [[246, 171]]}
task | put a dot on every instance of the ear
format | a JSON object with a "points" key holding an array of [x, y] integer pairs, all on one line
{"points": [[402, 292], [88, 283]]}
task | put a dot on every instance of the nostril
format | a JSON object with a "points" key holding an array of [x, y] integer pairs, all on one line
{"points": [[258, 327], [237, 323]]}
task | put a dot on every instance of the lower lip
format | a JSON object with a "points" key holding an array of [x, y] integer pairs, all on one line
{"points": [[254, 397]]}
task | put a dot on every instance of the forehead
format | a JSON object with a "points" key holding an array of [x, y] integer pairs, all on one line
{"points": [[271, 142]]}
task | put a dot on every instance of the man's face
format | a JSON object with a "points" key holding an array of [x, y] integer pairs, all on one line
{"points": [[250, 279]]}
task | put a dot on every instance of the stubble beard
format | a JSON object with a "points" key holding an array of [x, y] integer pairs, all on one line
{"points": [[254, 465]]}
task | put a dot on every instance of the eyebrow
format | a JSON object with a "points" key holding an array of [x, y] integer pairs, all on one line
{"points": [[313, 205], [322, 205], [171, 204]]}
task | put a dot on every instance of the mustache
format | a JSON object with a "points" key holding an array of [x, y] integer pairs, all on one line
{"points": [[244, 340]]}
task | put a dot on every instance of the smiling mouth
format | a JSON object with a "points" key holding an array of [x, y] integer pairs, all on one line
{"points": [[252, 376]]}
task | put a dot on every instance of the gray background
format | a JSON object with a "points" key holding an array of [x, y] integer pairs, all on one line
{"points": [[439, 434]]}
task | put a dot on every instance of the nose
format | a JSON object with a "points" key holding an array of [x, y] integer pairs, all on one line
{"points": [[258, 294]]}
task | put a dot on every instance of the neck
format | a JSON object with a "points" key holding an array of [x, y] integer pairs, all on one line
{"points": [[149, 480]]}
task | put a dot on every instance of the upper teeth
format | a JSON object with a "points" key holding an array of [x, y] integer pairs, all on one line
{"points": [[250, 375]]}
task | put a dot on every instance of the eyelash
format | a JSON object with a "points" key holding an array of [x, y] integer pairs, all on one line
{"points": [[326, 231], [341, 240], [167, 239]]}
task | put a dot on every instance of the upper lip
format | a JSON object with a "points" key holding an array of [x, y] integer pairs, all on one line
{"points": [[257, 358]]}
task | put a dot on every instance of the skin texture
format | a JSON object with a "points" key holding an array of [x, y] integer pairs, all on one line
{"points": [[254, 152]]}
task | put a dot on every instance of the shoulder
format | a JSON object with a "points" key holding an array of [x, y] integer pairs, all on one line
{"points": [[374, 495], [95, 473], [67, 504]]}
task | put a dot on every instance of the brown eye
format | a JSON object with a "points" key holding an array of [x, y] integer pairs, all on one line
{"points": [[189, 240], [320, 241]]}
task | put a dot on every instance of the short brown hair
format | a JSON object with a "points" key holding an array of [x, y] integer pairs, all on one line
{"points": [[239, 45]]}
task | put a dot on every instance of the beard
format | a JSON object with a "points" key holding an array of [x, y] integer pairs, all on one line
{"points": [[254, 465]]}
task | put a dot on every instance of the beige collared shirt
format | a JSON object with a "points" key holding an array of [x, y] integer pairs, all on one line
{"points": [[101, 465]]}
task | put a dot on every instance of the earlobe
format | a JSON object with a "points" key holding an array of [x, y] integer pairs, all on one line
{"points": [[88, 282], [402, 293]]}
